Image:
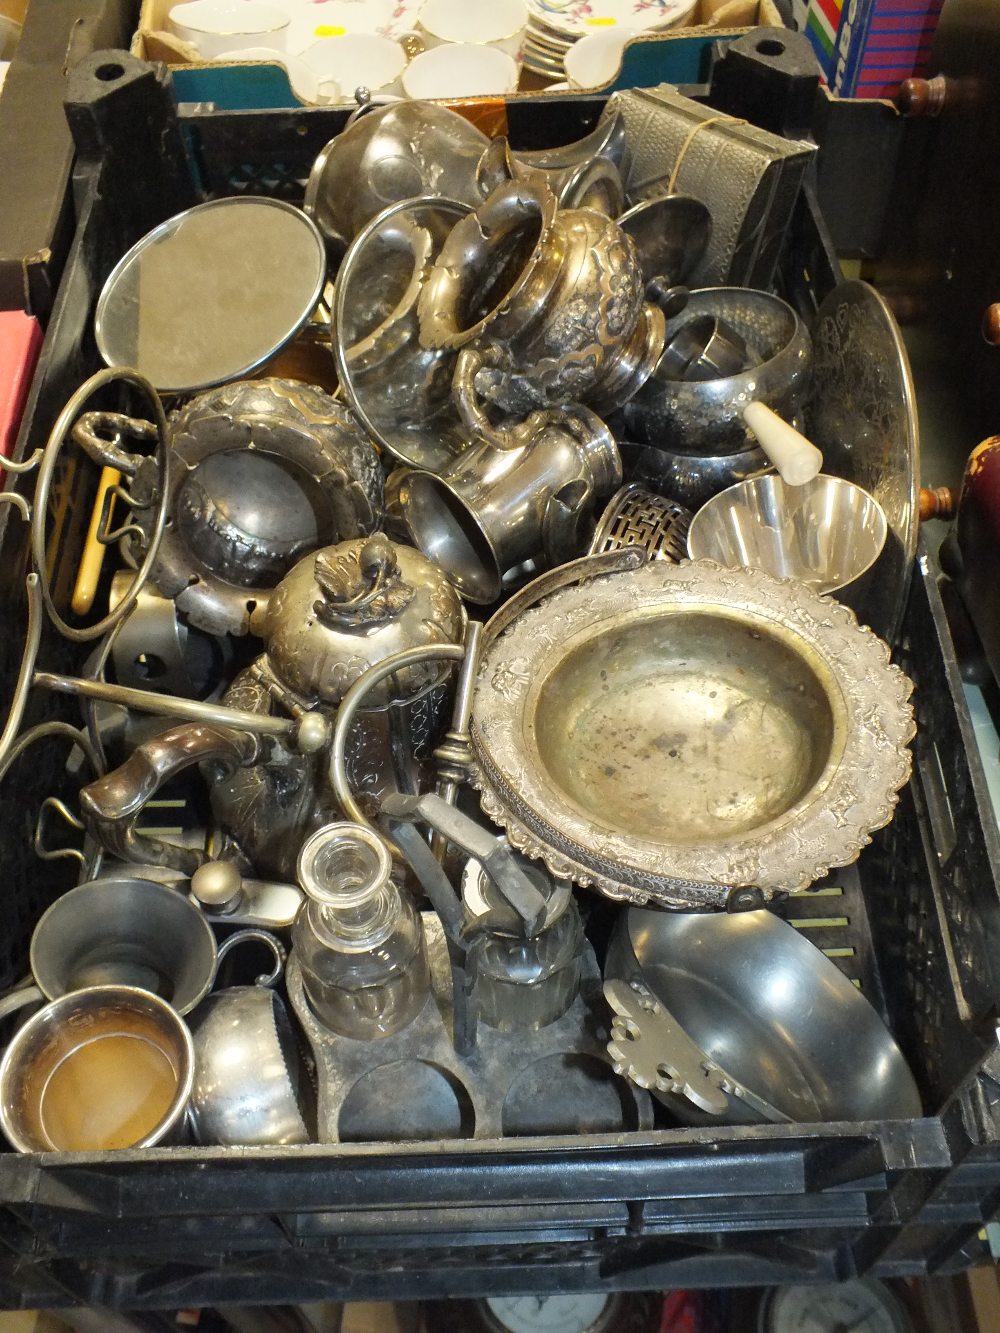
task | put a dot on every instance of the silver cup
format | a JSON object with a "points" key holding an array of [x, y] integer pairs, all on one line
{"points": [[101, 1068], [522, 493], [125, 932], [828, 533]]}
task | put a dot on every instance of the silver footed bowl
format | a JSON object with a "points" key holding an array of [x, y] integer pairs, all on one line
{"points": [[668, 733], [389, 154]]}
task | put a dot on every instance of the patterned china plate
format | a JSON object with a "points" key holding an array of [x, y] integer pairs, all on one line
{"points": [[545, 37], [576, 17], [547, 71], [537, 57]]}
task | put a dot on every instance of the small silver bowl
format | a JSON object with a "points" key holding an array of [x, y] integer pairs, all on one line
{"points": [[828, 533]]}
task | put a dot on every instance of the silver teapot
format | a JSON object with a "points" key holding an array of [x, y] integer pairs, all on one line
{"points": [[262, 471], [556, 295], [337, 613]]}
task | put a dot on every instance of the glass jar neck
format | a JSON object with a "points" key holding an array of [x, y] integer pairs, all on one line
{"points": [[362, 925], [345, 873]]}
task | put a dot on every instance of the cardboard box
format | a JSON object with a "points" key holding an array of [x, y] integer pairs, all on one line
{"points": [[678, 56], [11, 11], [36, 150], [866, 48]]}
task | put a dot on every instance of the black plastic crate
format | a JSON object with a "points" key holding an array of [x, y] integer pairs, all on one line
{"points": [[914, 923]]}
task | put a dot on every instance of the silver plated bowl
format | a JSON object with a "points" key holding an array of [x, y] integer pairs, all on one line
{"points": [[389, 154], [671, 732], [747, 1023], [671, 233], [706, 416], [399, 390]]}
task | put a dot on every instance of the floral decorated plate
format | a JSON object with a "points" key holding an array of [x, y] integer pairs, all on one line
{"points": [[576, 17]]}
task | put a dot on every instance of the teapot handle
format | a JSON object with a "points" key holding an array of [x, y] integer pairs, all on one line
{"points": [[474, 419], [111, 805]]}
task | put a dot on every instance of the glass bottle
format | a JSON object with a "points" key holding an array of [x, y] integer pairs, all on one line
{"points": [[358, 939], [521, 984]]}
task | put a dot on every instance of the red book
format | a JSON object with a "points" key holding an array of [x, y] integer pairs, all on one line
{"points": [[20, 343]]}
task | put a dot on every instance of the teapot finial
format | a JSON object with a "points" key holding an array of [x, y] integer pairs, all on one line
{"points": [[360, 587]]}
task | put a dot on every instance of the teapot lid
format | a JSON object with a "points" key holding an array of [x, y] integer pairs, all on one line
{"points": [[346, 607], [360, 586]]}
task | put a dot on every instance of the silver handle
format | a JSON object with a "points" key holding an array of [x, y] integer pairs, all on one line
{"points": [[268, 980], [20, 999]]}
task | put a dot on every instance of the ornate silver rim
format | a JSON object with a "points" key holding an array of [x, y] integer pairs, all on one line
{"points": [[856, 794]]}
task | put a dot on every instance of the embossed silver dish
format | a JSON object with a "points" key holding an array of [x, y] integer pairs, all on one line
{"points": [[671, 732], [862, 413], [705, 417]]}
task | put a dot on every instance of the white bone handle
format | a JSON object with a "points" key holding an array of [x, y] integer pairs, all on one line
{"points": [[796, 459]]}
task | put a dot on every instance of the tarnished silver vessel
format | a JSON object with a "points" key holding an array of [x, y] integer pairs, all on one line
{"points": [[672, 732], [264, 471], [518, 493], [555, 294], [337, 613]]}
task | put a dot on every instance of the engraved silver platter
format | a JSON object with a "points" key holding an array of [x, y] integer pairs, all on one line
{"points": [[863, 416], [672, 732]]}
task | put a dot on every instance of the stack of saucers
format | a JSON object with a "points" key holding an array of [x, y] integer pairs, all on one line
{"points": [[554, 25]]}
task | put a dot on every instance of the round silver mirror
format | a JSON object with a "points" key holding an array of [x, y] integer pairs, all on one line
{"points": [[211, 294]]}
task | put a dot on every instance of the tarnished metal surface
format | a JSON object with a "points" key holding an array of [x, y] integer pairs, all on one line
{"points": [[264, 471], [390, 154], [556, 294], [781, 1032], [706, 417], [675, 731], [635, 516], [862, 415]]}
